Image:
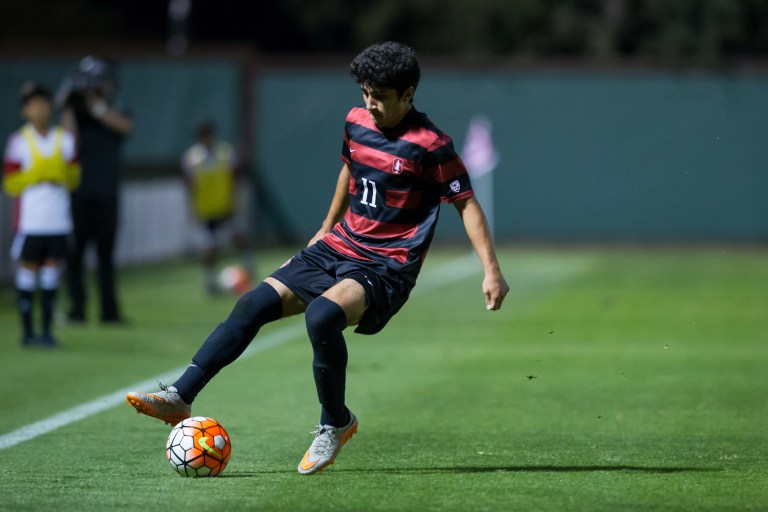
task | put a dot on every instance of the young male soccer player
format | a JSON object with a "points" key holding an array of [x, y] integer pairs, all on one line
{"points": [[40, 170], [210, 170], [363, 262]]}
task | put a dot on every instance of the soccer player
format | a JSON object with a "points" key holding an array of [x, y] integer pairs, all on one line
{"points": [[41, 169], [360, 267], [210, 174]]}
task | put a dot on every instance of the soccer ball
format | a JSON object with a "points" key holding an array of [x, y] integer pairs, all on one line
{"points": [[198, 446], [234, 279]]}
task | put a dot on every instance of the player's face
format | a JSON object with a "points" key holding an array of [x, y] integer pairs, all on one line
{"points": [[37, 110], [385, 106]]}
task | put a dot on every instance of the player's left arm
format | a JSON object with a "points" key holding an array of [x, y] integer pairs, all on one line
{"points": [[72, 170], [495, 287]]}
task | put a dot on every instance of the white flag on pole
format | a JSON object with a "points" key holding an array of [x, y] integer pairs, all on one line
{"points": [[478, 152]]}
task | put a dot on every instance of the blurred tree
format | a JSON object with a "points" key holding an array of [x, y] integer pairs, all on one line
{"points": [[80, 20], [706, 30]]}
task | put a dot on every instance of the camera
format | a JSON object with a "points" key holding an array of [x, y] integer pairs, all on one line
{"points": [[92, 74]]}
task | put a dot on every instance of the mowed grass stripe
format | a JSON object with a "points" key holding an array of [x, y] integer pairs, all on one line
{"points": [[115, 398], [636, 385], [451, 272]]}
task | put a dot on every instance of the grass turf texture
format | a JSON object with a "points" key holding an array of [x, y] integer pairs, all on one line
{"points": [[612, 379]]}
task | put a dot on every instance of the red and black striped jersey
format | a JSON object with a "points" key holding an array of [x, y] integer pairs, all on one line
{"points": [[400, 176]]}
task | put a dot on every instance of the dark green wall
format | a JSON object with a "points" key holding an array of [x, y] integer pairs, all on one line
{"points": [[166, 97], [583, 156]]}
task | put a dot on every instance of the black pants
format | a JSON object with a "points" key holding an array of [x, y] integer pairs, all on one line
{"points": [[95, 221]]}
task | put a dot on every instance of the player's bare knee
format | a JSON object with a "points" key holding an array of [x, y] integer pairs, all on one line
{"points": [[351, 298], [292, 304]]}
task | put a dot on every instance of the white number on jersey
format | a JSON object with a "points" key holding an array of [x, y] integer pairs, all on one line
{"points": [[364, 201]]}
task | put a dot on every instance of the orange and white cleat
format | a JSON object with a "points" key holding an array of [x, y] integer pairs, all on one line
{"points": [[165, 405], [326, 446]]}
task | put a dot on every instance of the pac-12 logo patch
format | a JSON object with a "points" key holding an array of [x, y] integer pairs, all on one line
{"points": [[455, 186], [397, 166]]}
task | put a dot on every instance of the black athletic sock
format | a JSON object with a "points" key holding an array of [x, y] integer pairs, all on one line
{"points": [[325, 323], [49, 304], [25, 301], [230, 339]]}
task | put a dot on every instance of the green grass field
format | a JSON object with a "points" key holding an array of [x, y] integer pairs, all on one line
{"points": [[613, 379]]}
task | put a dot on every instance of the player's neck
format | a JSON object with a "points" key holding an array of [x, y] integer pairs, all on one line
{"points": [[40, 127], [396, 123]]}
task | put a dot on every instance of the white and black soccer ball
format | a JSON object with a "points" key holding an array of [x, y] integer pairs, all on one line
{"points": [[234, 279], [198, 446]]}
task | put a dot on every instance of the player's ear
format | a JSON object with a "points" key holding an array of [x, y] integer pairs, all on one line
{"points": [[408, 95]]}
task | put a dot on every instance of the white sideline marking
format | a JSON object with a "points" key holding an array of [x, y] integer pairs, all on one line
{"points": [[450, 272], [111, 400]]}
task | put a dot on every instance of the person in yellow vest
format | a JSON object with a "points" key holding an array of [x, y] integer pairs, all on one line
{"points": [[40, 170], [210, 170]]}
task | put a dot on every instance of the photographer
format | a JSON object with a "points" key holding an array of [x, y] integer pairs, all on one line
{"points": [[100, 125]]}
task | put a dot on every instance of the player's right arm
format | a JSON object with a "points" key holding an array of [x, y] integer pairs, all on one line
{"points": [[339, 204], [15, 177]]}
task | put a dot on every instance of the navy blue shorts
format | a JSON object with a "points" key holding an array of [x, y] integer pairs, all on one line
{"points": [[317, 268], [40, 248]]}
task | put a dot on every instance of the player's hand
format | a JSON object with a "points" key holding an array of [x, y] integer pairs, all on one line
{"points": [[34, 176], [495, 288], [47, 174], [320, 234]]}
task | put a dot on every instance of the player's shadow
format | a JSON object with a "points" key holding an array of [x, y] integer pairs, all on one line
{"points": [[535, 469], [540, 469], [496, 469]]}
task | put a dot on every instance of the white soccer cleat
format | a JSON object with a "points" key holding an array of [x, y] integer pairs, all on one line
{"points": [[165, 405], [326, 446]]}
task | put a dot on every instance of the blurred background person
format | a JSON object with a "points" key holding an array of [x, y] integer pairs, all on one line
{"points": [[40, 170], [211, 174], [100, 125]]}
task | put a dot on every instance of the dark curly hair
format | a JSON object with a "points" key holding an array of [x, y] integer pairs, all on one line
{"points": [[390, 65]]}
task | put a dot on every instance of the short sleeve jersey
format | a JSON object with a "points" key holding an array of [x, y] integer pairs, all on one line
{"points": [[399, 178], [43, 208]]}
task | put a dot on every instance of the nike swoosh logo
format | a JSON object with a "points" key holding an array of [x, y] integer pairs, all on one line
{"points": [[352, 150], [211, 450], [305, 464]]}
